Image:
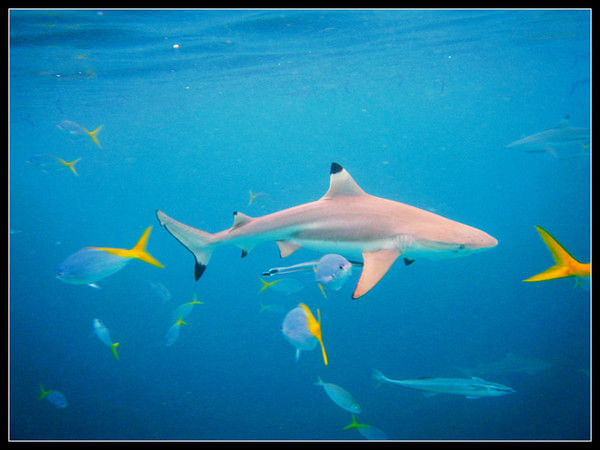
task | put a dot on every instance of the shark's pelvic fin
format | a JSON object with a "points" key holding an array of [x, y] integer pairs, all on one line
{"points": [[286, 248], [566, 265], [375, 266]]}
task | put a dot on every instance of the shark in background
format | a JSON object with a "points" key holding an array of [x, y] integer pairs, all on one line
{"points": [[511, 363], [469, 387], [561, 136], [347, 221]]}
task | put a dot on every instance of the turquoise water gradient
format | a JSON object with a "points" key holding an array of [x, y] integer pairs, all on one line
{"points": [[199, 107]]}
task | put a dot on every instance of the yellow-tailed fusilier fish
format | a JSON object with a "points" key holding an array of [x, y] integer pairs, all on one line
{"points": [[286, 286], [91, 264], [102, 333], [75, 129], [302, 330], [184, 310], [566, 265], [173, 332], [47, 162], [55, 398], [369, 432], [340, 396]]}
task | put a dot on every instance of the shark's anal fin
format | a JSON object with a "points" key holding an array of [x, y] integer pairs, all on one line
{"points": [[375, 266]]}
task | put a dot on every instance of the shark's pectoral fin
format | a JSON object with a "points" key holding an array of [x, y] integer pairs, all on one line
{"points": [[286, 248], [375, 266]]}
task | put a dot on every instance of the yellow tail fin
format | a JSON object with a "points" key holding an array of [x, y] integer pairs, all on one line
{"points": [[180, 321], [70, 165], [314, 326], [138, 251], [266, 285], [113, 348], [43, 393], [93, 134], [566, 265]]}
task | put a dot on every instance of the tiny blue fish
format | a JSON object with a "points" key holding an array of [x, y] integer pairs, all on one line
{"points": [[173, 332], [47, 163], [340, 396], [55, 398], [332, 271], [103, 334], [73, 128]]}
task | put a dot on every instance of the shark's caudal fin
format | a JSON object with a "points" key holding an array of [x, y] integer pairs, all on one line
{"points": [[566, 265], [138, 251], [379, 377], [196, 241]]}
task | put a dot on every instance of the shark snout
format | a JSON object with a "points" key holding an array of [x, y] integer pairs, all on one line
{"points": [[481, 240], [488, 241]]}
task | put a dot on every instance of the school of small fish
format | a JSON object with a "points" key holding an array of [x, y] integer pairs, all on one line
{"points": [[299, 326]]}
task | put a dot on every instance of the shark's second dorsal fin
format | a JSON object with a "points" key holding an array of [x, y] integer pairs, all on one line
{"points": [[239, 219], [341, 183]]}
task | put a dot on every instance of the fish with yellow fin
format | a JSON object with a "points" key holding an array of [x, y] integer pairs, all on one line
{"points": [[566, 265], [74, 128], [91, 264], [47, 162], [173, 332], [369, 432], [302, 330], [55, 398], [104, 336]]}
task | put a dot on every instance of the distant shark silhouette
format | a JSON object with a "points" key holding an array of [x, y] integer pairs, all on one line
{"points": [[346, 220], [548, 140]]}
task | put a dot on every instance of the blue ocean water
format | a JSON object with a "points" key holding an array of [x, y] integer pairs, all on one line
{"points": [[200, 107]]}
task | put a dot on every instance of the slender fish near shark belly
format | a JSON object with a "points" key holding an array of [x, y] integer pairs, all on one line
{"points": [[346, 220]]}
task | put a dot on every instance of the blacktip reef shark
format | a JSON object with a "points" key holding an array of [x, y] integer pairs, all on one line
{"points": [[346, 220], [566, 265], [559, 136], [470, 388]]}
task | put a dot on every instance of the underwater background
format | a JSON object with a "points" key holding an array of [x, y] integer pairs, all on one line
{"points": [[200, 107]]}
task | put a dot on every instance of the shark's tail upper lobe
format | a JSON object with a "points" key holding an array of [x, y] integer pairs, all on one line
{"points": [[196, 241]]}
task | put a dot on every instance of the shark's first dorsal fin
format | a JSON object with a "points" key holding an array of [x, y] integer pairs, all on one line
{"points": [[341, 183]]}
